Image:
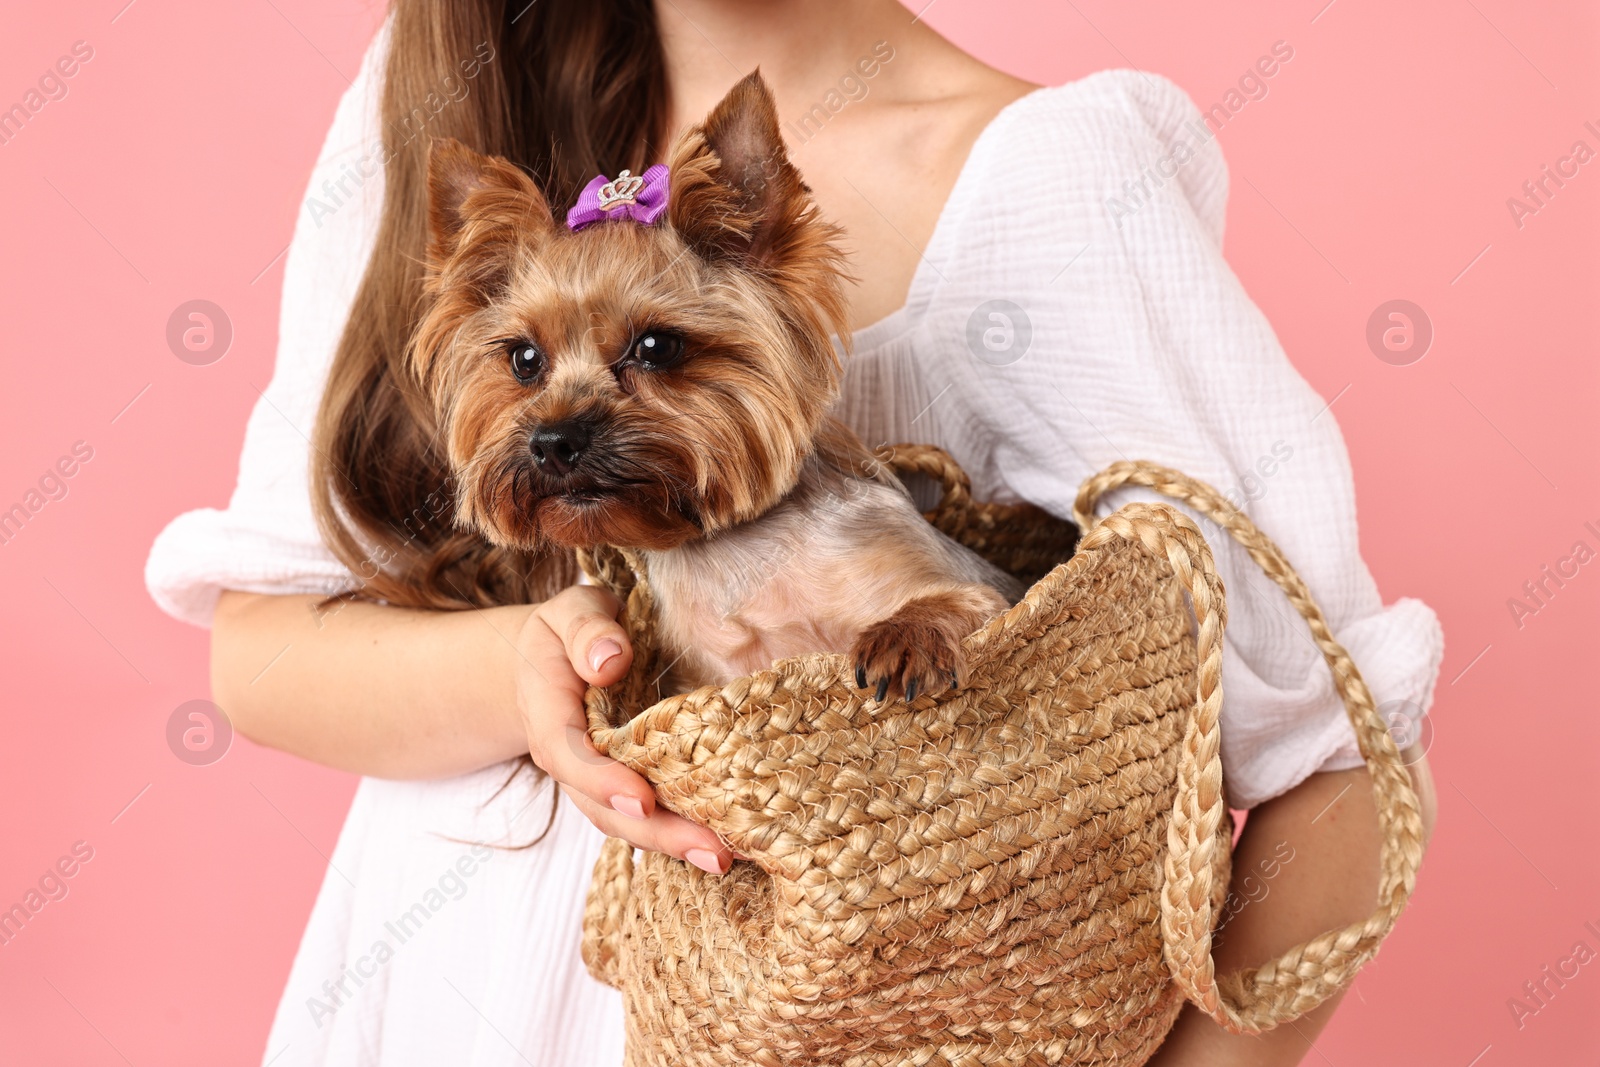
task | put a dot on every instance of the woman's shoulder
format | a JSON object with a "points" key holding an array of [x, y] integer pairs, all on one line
{"points": [[1109, 102], [1116, 89], [1096, 150]]}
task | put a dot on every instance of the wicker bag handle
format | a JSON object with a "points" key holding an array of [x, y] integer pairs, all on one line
{"points": [[1259, 998]]}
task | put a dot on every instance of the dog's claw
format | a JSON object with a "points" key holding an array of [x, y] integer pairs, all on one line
{"points": [[913, 652], [861, 677]]}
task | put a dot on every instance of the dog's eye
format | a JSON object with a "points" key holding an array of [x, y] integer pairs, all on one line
{"points": [[657, 350], [526, 361]]}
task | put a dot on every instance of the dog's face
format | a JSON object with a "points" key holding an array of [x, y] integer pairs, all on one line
{"points": [[627, 384]]}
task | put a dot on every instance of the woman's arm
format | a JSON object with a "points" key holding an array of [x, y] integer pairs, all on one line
{"points": [[1328, 824], [365, 688], [398, 693]]}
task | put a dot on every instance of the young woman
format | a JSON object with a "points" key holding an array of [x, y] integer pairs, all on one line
{"points": [[1005, 309]]}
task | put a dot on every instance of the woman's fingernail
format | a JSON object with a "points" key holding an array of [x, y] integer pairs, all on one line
{"points": [[602, 653], [628, 806], [705, 859]]}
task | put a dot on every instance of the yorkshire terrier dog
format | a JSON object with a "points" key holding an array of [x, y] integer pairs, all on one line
{"points": [[655, 372]]}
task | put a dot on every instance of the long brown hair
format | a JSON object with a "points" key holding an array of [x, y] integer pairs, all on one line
{"points": [[563, 88]]}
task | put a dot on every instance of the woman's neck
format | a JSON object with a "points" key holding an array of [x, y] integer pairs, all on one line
{"points": [[802, 47], [876, 109]]}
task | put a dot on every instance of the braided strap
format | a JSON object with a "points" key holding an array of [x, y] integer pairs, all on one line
{"points": [[622, 571], [1260, 998], [1019, 538], [954, 485], [619, 571], [608, 567], [604, 909]]}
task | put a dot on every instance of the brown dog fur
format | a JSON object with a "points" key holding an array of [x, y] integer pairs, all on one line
{"points": [[670, 393]]}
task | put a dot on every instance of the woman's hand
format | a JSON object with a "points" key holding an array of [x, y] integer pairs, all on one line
{"points": [[402, 693], [568, 643]]}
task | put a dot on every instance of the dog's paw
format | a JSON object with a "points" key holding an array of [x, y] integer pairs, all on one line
{"points": [[898, 659], [918, 648]]}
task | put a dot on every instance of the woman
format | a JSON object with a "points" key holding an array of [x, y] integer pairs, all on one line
{"points": [[1002, 310]]}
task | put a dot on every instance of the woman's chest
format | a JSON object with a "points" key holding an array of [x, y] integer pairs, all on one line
{"points": [[885, 186]]}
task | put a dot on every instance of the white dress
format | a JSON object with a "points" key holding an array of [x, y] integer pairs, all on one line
{"points": [[1123, 334]]}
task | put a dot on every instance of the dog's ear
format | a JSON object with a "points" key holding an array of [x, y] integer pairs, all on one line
{"points": [[735, 195], [479, 201]]}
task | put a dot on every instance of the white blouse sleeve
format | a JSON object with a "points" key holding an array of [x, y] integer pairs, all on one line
{"points": [[1147, 347], [266, 539]]}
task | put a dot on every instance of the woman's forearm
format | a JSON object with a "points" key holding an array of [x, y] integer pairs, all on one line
{"points": [[1306, 862], [378, 690]]}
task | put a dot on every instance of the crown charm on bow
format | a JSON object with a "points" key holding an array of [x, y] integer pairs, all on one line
{"points": [[622, 189], [640, 198]]}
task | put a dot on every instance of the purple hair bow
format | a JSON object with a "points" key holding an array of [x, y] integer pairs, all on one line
{"points": [[639, 197]]}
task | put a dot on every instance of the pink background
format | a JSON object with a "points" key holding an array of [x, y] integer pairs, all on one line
{"points": [[1378, 167]]}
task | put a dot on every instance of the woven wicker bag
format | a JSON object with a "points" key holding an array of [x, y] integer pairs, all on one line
{"points": [[1025, 871]]}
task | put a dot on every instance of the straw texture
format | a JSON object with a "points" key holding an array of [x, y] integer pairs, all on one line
{"points": [[1025, 871]]}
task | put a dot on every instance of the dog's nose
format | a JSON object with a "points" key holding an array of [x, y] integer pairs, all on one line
{"points": [[556, 447]]}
